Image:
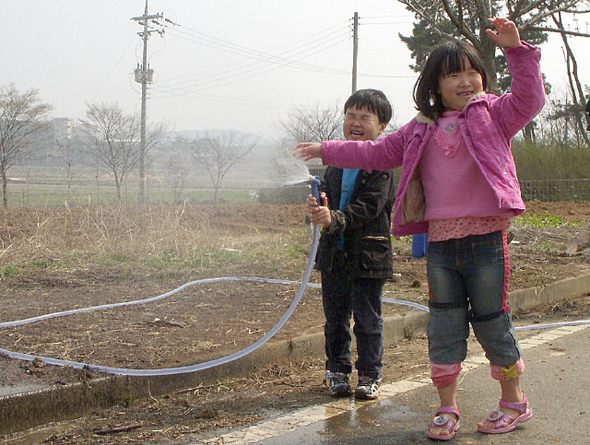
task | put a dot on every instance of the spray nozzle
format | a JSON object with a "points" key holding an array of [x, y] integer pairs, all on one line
{"points": [[314, 183]]}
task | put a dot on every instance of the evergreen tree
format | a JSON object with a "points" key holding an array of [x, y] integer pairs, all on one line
{"points": [[467, 19]]}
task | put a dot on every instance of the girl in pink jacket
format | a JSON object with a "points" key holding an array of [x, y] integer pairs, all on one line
{"points": [[458, 183]]}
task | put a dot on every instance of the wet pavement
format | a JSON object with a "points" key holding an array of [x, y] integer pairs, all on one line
{"points": [[556, 382]]}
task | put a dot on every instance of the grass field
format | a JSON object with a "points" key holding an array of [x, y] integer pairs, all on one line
{"points": [[43, 190], [47, 194]]}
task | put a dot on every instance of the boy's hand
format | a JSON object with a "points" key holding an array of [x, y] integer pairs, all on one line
{"points": [[312, 203], [319, 214], [507, 35], [308, 150]]}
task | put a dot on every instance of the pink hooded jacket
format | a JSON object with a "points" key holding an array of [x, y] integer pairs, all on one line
{"points": [[490, 122]]}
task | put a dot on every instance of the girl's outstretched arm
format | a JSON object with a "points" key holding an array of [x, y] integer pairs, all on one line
{"points": [[507, 35], [308, 150]]}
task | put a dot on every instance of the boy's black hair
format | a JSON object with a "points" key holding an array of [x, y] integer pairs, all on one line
{"points": [[373, 100], [447, 58]]}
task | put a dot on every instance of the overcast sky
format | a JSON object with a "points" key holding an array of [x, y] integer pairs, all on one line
{"points": [[222, 64]]}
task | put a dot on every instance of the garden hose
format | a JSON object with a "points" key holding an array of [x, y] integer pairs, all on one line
{"points": [[314, 183]]}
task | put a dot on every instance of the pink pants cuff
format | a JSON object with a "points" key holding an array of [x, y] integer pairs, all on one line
{"points": [[511, 372], [443, 375]]}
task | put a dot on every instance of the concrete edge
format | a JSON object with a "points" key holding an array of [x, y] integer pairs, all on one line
{"points": [[29, 409], [523, 299]]}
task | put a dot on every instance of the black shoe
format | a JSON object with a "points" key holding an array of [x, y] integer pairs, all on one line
{"points": [[368, 388], [339, 384]]}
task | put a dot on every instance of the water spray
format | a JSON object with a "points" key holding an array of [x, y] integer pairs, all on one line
{"points": [[314, 183]]}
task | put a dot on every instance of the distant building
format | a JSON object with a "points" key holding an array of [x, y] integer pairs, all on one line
{"points": [[63, 128]]}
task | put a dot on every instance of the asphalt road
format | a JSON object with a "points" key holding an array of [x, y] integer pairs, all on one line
{"points": [[556, 381]]}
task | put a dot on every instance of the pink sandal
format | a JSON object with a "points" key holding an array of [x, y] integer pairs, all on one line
{"points": [[448, 423], [498, 418]]}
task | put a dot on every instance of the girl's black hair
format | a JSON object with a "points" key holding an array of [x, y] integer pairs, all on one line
{"points": [[373, 100], [447, 58]]}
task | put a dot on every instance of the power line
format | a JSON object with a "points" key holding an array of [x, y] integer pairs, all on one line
{"points": [[282, 58], [257, 62], [247, 74], [262, 63]]}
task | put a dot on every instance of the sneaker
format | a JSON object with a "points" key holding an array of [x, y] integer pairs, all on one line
{"points": [[339, 384], [368, 388]]}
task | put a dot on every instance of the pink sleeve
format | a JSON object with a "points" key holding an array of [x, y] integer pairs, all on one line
{"points": [[367, 155]]}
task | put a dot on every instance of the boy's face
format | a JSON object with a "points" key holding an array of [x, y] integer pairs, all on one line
{"points": [[361, 125]]}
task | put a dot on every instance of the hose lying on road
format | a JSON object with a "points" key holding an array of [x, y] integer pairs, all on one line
{"points": [[220, 361]]}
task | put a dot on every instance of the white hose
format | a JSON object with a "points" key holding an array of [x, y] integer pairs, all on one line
{"points": [[182, 369], [220, 361], [517, 328]]}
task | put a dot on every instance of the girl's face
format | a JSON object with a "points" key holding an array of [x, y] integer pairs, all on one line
{"points": [[456, 89]]}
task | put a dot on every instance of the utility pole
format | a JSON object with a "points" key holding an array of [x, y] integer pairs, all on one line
{"points": [[355, 50], [145, 75]]}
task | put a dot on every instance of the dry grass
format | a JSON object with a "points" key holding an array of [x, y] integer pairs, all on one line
{"points": [[102, 228], [154, 237]]}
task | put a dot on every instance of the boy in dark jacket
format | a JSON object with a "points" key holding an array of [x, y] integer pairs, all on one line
{"points": [[355, 256]]}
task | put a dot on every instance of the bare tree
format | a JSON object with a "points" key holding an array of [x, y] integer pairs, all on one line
{"points": [[177, 170], [305, 125], [70, 153], [562, 122], [219, 154], [578, 97], [115, 140], [318, 124], [22, 116]]}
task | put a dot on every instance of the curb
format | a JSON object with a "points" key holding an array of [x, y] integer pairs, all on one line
{"points": [[522, 299], [52, 404]]}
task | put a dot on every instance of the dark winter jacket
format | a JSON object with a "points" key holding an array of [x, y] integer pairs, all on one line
{"points": [[365, 223]]}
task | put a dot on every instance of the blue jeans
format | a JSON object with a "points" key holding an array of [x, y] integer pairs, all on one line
{"points": [[468, 281], [343, 297]]}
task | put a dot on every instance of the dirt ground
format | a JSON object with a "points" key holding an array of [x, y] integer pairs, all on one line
{"points": [[206, 321]]}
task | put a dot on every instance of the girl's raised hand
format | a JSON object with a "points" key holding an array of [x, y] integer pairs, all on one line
{"points": [[507, 35]]}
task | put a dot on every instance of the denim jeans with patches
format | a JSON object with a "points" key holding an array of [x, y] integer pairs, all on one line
{"points": [[468, 280]]}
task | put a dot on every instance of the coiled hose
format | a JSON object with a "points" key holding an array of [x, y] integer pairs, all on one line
{"points": [[220, 361], [182, 369]]}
